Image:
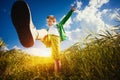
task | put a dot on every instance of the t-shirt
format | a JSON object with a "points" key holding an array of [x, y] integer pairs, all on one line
{"points": [[53, 30]]}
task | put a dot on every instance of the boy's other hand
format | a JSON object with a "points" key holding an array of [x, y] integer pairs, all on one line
{"points": [[73, 8]]}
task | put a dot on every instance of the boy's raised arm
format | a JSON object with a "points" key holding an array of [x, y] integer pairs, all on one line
{"points": [[63, 21]]}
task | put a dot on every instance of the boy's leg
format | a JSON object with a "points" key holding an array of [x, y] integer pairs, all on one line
{"points": [[53, 42], [21, 18], [55, 47], [57, 66]]}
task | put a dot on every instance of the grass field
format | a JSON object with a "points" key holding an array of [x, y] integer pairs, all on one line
{"points": [[98, 60]]}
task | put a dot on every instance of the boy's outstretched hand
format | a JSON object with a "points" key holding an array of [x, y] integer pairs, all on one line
{"points": [[73, 8]]}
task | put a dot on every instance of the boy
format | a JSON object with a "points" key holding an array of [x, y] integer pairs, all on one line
{"points": [[27, 33]]}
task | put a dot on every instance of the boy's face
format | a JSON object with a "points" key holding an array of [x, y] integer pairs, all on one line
{"points": [[50, 22]]}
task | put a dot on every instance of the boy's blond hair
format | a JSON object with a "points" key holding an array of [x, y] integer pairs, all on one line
{"points": [[51, 17]]}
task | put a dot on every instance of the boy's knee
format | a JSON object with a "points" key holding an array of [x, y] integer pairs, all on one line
{"points": [[46, 40]]}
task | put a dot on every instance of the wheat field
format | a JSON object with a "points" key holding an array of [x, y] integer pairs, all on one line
{"points": [[98, 60]]}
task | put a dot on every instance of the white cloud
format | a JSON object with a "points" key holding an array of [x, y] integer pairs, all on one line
{"points": [[4, 48], [77, 4], [97, 3], [44, 52], [16, 47], [39, 49], [89, 20]]}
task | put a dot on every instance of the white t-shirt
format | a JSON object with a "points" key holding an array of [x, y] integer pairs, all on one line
{"points": [[53, 30]]}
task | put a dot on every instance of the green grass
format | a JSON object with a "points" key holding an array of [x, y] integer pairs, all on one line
{"points": [[98, 60]]}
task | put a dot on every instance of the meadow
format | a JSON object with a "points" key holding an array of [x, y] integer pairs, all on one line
{"points": [[99, 59]]}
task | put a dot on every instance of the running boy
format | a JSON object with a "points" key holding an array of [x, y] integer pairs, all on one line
{"points": [[27, 33]]}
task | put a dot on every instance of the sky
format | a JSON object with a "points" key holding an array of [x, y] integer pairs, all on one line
{"points": [[91, 16]]}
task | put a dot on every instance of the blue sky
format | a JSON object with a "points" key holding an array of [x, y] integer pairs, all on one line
{"points": [[97, 10], [39, 9]]}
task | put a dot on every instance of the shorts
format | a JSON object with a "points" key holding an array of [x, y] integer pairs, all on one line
{"points": [[53, 42]]}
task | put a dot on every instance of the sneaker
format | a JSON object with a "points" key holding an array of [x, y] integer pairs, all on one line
{"points": [[21, 18]]}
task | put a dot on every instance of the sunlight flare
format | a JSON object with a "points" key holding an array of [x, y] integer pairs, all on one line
{"points": [[42, 52]]}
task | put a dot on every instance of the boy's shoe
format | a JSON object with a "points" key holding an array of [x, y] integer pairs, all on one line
{"points": [[21, 18]]}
